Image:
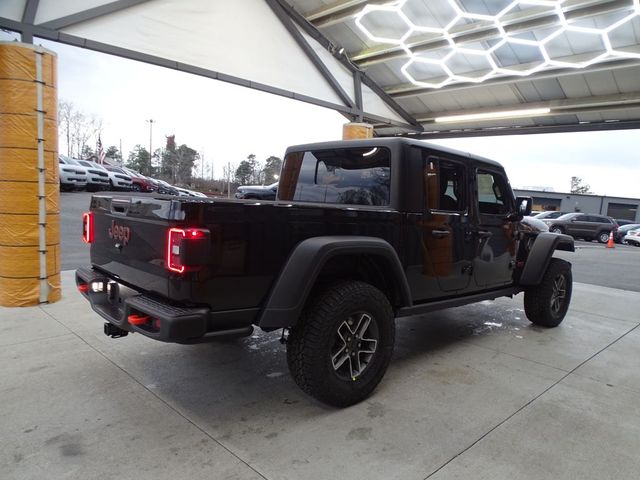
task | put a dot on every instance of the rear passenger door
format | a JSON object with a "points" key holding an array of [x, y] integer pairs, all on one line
{"points": [[494, 235], [580, 226], [444, 228]]}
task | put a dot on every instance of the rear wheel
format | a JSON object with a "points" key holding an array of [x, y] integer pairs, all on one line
{"points": [[342, 344], [547, 304], [603, 237]]}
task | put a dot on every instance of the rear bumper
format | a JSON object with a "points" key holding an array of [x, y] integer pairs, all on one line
{"points": [[157, 318]]}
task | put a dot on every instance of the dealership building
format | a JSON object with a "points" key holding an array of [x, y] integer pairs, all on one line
{"points": [[616, 207]]}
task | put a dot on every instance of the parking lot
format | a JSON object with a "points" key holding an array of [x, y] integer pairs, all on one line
{"points": [[472, 392]]}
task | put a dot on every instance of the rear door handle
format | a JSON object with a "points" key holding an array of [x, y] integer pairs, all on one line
{"points": [[440, 233]]}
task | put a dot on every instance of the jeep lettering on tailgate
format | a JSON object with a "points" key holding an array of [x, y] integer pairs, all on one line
{"points": [[119, 232]]}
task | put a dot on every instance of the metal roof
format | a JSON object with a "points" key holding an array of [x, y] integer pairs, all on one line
{"points": [[437, 58], [509, 66]]}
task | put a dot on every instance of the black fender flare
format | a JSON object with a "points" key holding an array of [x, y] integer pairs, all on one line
{"points": [[291, 289], [540, 255]]}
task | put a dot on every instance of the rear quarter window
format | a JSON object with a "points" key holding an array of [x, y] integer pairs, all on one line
{"points": [[350, 176]]}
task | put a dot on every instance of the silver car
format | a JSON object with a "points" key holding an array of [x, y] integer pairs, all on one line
{"points": [[632, 238], [72, 176]]}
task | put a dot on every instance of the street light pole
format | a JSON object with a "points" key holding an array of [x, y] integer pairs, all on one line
{"points": [[150, 145]]}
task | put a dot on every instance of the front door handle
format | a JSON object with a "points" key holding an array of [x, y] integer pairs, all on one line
{"points": [[440, 233], [484, 234]]}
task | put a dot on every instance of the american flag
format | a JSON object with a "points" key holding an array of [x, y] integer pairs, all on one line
{"points": [[100, 151]]}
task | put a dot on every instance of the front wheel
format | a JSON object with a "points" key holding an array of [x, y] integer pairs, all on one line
{"points": [[555, 229], [603, 237], [342, 344], [547, 304]]}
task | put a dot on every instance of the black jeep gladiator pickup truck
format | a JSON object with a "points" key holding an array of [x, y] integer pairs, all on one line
{"points": [[361, 232]]}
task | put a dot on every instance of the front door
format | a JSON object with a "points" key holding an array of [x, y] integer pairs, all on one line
{"points": [[495, 235]]}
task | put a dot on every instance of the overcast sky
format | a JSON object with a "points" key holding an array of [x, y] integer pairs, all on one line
{"points": [[227, 122]]}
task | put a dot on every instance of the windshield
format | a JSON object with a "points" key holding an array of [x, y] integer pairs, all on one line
{"points": [[90, 164], [567, 216]]}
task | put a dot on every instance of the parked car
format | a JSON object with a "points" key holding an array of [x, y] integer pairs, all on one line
{"points": [[549, 215], [583, 225], [633, 237], [119, 179], [411, 228], [72, 176], [622, 222], [165, 188], [259, 192], [140, 183], [97, 176], [622, 231]]}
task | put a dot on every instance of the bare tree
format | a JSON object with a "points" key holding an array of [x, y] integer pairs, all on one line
{"points": [[578, 187], [77, 128], [65, 112]]}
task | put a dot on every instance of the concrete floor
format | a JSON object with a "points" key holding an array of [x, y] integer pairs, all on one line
{"points": [[474, 392]]}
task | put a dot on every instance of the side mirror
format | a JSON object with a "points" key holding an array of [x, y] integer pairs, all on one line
{"points": [[524, 206]]}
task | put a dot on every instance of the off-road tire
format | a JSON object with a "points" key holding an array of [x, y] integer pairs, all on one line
{"points": [[603, 237], [311, 340], [539, 300]]}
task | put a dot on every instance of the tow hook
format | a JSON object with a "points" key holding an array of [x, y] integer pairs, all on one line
{"points": [[112, 331]]}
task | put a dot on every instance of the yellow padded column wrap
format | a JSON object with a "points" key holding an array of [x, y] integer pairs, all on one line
{"points": [[29, 182], [357, 131]]}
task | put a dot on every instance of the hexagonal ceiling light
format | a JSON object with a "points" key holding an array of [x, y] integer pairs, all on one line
{"points": [[455, 13]]}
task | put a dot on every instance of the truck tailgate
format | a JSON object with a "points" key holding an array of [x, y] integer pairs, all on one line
{"points": [[129, 239]]}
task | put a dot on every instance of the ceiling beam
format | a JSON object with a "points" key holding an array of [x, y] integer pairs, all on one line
{"points": [[339, 11], [28, 17], [569, 106], [408, 90], [338, 54], [526, 130], [286, 21], [539, 17]]}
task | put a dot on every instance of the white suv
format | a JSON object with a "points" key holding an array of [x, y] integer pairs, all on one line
{"points": [[119, 179], [97, 175], [72, 176]]}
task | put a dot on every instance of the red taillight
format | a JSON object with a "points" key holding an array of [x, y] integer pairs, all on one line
{"points": [[178, 238], [87, 227], [173, 250], [83, 287]]}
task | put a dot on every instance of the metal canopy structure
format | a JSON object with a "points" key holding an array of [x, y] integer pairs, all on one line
{"points": [[426, 68]]}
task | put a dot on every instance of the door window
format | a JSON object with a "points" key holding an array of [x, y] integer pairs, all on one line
{"points": [[492, 194], [444, 185]]}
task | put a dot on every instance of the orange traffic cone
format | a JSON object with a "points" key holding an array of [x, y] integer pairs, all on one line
{"points": [[611, 243]]}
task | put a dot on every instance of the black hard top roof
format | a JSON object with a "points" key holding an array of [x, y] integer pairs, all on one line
{"points": [[388, 142]]}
